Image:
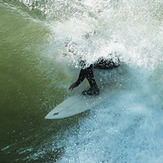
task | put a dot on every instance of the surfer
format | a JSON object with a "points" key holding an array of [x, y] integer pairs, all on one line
{"points": [[87, 72]]}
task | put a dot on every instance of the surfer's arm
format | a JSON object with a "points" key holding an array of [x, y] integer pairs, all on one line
{"points": [[79, 80]]}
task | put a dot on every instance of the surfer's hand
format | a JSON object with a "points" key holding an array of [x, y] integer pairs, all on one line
{"points": [[72, 86]]}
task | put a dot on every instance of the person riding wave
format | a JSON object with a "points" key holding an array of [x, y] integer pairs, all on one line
{"points": [[86, 72]]}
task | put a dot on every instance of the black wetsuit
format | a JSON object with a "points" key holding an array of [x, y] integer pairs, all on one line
{"points": [[88, 72]]}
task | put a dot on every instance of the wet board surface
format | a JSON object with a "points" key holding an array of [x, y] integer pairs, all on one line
{"points": [[74, 105]]}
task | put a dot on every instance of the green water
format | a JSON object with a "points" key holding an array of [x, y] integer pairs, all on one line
{"points": [[24, 93]]}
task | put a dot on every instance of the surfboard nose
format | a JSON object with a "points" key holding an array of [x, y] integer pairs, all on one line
{"points": [[51, 115], [48, 117]]}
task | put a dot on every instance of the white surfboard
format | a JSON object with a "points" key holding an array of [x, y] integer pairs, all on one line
{"points": [[79, 103], [74, 105]]}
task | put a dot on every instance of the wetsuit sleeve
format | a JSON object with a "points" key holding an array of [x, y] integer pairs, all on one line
{"points": [[85, 73], [81, 77]]}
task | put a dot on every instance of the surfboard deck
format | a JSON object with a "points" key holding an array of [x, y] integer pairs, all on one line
{"points": [[79, 103], [74, 105]]}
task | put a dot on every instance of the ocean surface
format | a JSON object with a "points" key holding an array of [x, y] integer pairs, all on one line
{"points": [[36, 70]]}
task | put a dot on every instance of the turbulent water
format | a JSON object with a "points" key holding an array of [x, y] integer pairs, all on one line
{"points": [[36, 69]]}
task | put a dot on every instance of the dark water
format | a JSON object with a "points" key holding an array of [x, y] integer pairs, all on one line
{"points": [[35, 74], [23, 91]]}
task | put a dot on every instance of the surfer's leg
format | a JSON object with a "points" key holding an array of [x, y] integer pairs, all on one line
{"points": [[93, 90], [90, 77]]}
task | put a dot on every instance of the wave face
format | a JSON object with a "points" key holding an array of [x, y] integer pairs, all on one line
{"points": [[128, 127]]}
